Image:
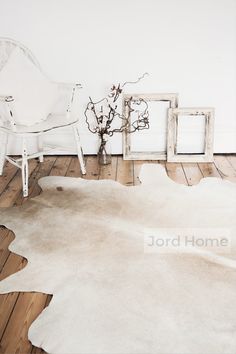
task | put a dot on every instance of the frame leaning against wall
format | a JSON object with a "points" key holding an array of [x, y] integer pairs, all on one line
{"points": [[173, 116], [128, 154]]}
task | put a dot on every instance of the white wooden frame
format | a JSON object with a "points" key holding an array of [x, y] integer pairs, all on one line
{"points": [[173, 116], [172, 98], [6, 46]]}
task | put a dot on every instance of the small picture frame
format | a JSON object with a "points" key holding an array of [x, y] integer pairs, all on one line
{"points": [[128, 154], [174, 115]]}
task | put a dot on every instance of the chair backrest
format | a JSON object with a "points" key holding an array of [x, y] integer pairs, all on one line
{"points": [[32, 108], [7, 45]]}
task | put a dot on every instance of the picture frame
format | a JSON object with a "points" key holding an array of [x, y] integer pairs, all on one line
{"points": [[128, 154], [174, 114]]}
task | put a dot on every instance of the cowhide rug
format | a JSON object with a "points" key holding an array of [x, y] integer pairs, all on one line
{"points": [[84, 241]]}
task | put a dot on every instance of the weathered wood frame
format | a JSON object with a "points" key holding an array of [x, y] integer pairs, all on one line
{"points": [[173, 117], [172, 98]]}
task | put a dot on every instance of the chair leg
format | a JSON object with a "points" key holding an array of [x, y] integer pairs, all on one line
{"points": [[25, 169], [40, 147], [79, 150], [3, 151]]}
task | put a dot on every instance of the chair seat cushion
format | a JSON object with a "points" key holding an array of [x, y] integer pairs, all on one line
{"points": [[53, 121], [34, 95]]}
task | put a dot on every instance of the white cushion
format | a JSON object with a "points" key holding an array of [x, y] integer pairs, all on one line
{"points": [[34, 94]]}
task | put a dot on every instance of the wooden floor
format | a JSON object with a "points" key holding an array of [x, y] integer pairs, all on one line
{"points": [[19, 310]]}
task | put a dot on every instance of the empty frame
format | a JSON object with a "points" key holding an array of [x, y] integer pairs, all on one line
{"points": [[149, 144], [177, 153]]}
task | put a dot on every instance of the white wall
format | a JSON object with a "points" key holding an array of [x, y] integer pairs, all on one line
{"points": [[187, 46]]}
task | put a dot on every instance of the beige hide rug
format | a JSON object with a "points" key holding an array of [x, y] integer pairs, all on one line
{"points": [[84, 241]]}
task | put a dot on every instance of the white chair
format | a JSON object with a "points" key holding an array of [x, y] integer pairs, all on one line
{"points": [[9, 125]]}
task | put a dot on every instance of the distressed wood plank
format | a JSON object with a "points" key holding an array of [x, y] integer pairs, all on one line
{"points": [[27, 309], [48, 300], [109, 171], [192, 173], [13, 264], [225, 168], [74, 168], [209, 170], [60, 166], [176, 173], [44, 170], [7, 304], [232, 161], [125, 171], [92, 168], [9, 172], [6, 237], [36, 350]]}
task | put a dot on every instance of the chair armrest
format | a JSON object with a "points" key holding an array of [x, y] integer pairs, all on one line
{"points": [[68, 85]]}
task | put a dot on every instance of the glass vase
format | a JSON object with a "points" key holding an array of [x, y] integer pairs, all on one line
{"points": [[104, 151]]}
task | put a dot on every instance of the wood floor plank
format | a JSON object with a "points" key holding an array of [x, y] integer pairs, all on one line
{"points": [[109, 171], [7, 301], [7, 305], [232, 161], [125, 172], [92, 167], [225, 168], [48, 300], [28, 307], [45, 169], [60, 166], [14, 188], [9, 172], [36, 350], [192, 172], [74, 169], [209, 170], [13, 264], [6, 237], [176, 173]]}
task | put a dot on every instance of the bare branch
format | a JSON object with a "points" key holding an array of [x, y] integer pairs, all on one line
{"points": [[135, 82], [106, 113]]}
